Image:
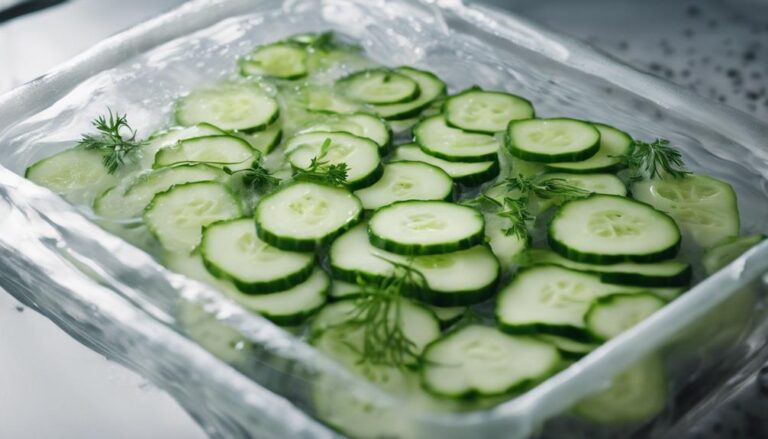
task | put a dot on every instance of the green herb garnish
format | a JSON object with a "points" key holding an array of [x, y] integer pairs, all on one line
{"points": [[545, 188], [655, 159], [115, 139], [321, 171]]}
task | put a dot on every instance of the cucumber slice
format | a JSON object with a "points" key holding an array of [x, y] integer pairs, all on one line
{"points": [[171, 136], [279, 60], [231, 250], [324, 100], [437, 139], [419, 325], [609, 316], [481, 361], [485, 111], [379, 86], [264, 141], [607, 184], [606, 229], [569, 348], [657, 274], [726, 252], [76, 174], [425, 227], [130, 203], [358, 124], [352, 256], [360, 154], [407, 181], [635, 395], [448, 315], [229, 107], [219, 151], [304, 216], [613, 145], [551, 300], [552, 140], [176, 217], [704, 207], [468, 174], [508, 248], [341, 289], [430, 87]]}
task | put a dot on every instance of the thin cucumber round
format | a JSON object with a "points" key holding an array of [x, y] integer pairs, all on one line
{"points": [[486, 112], [130, 202], [171, 136], [76, 174], [176, 217], [609, 316], [279, 60], [425, 227], [606, 229], [358, 124], [361, 155], [316, 99], [481, 361], [437, 139], [264, 141], [230, 107], [726, 252], [655, 274], [379, 86], [430, 87], [509, 248], [231, 250], [352, 257], [219, 151], [304, 216], [569, 348], [704, 207], [467, 174], [406, 181], [614, 144], [552, 140]]}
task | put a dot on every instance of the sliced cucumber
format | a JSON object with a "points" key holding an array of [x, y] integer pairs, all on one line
{"points": [[171, 136], [358, 124], [176, 217], [704, 207], [76, 174], [613, 145], [341, 289], [324, 100], [481, 361], [609, 316], [379, 86], [425, 227], [447, 284], [485, 111], [552, 140], [231, 250], [508, 248], [264, 141], [569, 348], [407, 181], [607, 184], [279, 60], [448, 315], [360, 154], [230, 107], [437, 139], [468, 174], [606, 229], [304, 216], [220, 151], [117, 203], [635, 395], [656, 274], [726, 252], [430, 86]]}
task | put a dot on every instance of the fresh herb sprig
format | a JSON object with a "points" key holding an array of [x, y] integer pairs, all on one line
{"points": [[115, 140], [654, 159], [545, 188], [321, 171], [256, 178], [378, 315]]}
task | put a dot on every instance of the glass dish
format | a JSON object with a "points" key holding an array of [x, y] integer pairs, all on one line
{"points": [[120, 301]]}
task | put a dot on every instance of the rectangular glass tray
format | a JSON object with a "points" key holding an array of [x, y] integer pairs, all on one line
{"points": [[118, 300]]}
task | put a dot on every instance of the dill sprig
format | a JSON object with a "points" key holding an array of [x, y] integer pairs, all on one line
{"points": [[115, 139], [655, 159], [378, 315], [256, 178], [516, 212], [321, 171], [545, 188]]}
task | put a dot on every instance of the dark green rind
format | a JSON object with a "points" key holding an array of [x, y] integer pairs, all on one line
{"points": [[299, 317], [617, 166], [480, 177], [253, 288], [574, 332], [491, 156], [352, 76], [606, 300], [416, 110], [679, 279], [447, 111], [301, 245], [424, 249], [603, 259], [549, 158]]}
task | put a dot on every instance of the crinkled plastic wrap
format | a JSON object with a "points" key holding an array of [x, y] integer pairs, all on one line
{"points": [[117, 299]]}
